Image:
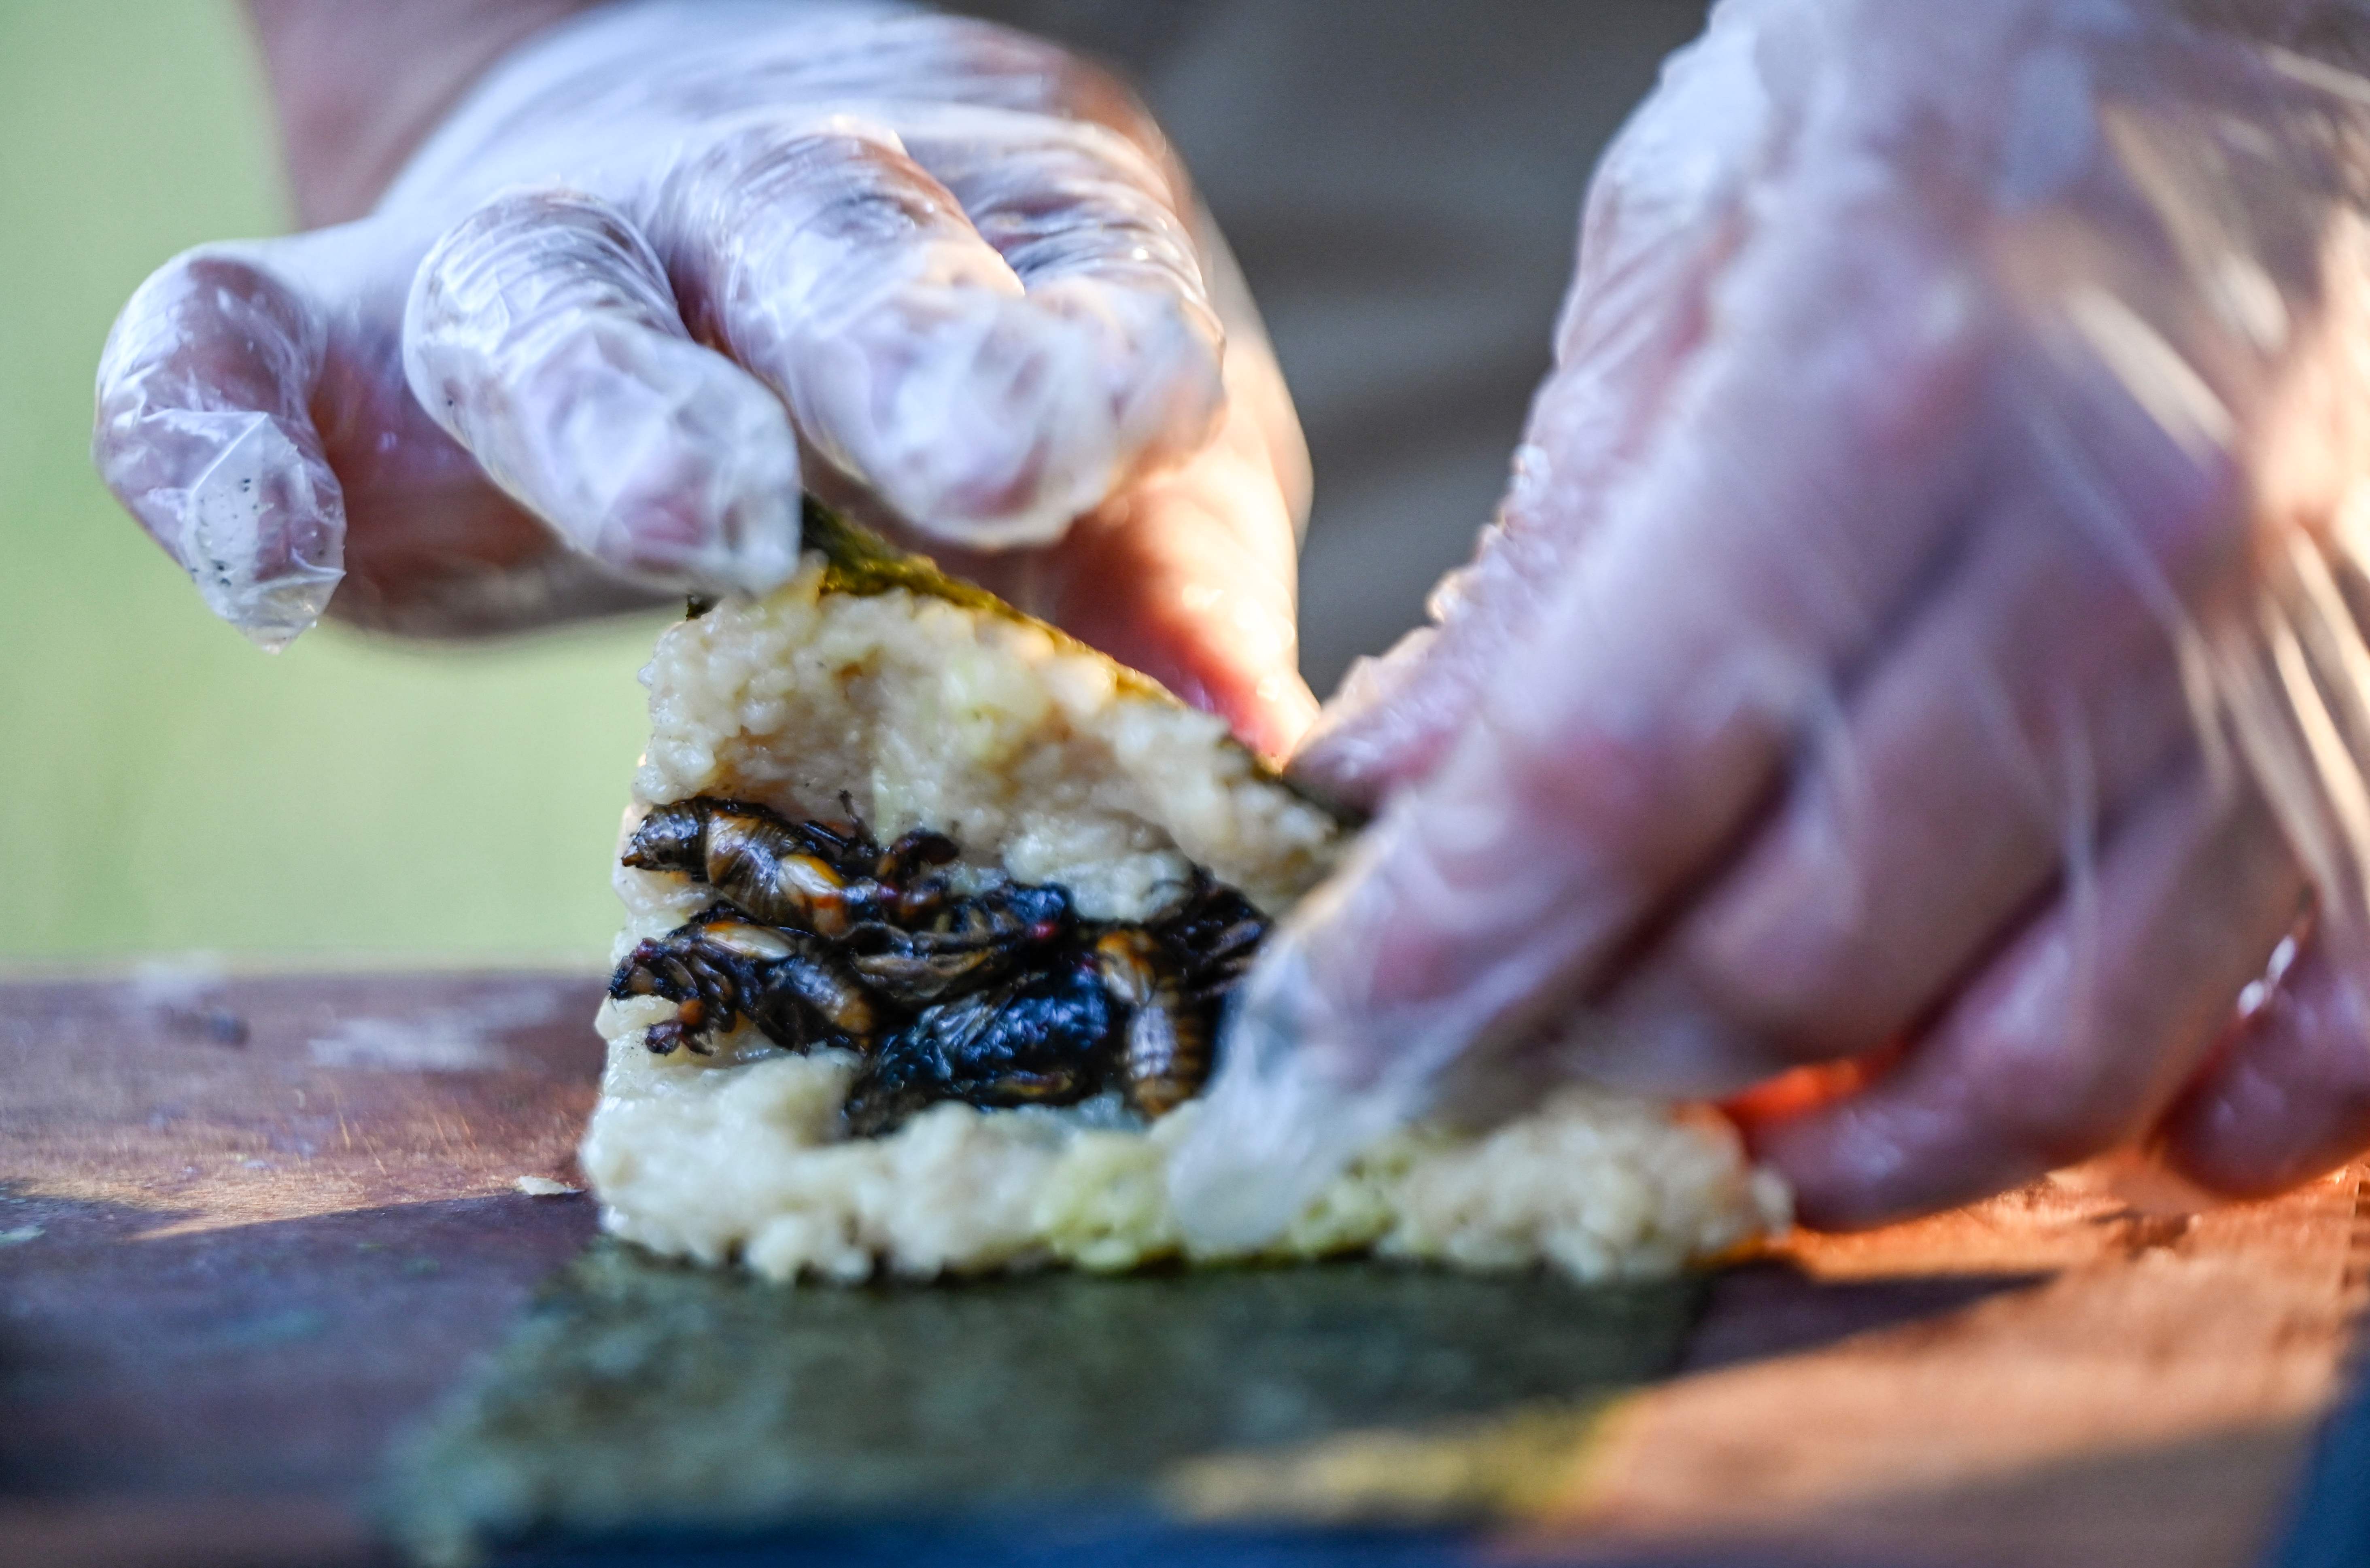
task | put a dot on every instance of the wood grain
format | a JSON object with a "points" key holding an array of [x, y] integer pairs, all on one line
{"points": [[2144, 1400], [255, 1224]]}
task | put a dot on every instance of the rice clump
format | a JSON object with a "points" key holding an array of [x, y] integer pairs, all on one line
{"points": [[1050, 762]]}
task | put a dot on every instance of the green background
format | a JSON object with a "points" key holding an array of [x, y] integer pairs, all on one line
{"points": [[163, 785]]}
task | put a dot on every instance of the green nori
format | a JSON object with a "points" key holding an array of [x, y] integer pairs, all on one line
{"points": [[637, 1393], [859, 562]]}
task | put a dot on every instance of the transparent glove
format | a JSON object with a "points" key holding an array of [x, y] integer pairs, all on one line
{"points": [[667, 262], [1923, 631]]}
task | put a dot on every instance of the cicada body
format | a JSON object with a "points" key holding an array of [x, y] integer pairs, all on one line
{"points": [[820, 878], [1165, 1058], [1216, 933], [972, 943], [719, 966], [1040, 1042]]}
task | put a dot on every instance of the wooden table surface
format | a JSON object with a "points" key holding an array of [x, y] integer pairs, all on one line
{"points": [[250, 1225]]}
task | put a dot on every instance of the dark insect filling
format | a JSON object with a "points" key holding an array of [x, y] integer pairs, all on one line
{"points": [[997, 996]]}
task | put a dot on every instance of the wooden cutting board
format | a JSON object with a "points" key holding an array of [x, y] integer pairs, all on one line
{"points": [[253, 1227]]}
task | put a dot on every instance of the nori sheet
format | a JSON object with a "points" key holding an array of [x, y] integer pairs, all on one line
{"points": [[636, 1394]]}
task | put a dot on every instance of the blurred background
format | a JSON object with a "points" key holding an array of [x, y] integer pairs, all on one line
{"points": [[165, 787]]}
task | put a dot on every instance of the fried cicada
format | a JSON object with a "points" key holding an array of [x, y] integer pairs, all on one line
{"points": [[720, 967], [997, 995], [814, 876]]}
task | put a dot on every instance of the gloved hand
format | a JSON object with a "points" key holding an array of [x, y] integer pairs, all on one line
{"points": [[666, 262], [1924, 632]]}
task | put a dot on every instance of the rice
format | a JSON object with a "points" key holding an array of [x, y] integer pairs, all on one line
{"points": [[1047, 761], [741, 1163]]}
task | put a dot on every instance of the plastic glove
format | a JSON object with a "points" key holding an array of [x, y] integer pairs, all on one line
{"points": [[1923, 631], [572, 357]]}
